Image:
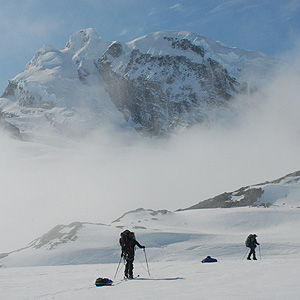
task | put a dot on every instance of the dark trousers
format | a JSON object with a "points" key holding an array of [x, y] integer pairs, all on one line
{"points": [[129, 267], [252, 251]]}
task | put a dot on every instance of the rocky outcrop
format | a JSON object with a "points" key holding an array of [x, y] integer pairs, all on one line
{"points": [[254, 195], [246, 197], [57, 235], [149, 212], [160, 93]]}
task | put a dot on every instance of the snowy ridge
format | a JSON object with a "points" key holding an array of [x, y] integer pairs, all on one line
{"points": [[234, 59], [282, 191], [180, 235], [60, 90]]}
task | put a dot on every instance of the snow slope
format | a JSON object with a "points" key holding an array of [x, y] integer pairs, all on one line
{"points": [[186, 235]]}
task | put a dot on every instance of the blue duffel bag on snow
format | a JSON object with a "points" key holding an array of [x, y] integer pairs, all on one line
{"points": [[103, 281], [209, 259]]}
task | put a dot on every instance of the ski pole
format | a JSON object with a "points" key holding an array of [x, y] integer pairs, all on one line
{"points": [[245, 254], [141, 264], [259, 252], [146, 261], [117, 268]]}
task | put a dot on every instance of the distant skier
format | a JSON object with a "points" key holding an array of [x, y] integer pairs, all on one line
{"points": [[128, 243], [251, 243]]}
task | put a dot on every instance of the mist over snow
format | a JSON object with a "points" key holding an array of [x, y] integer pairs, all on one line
{"points": [[50, 181]]}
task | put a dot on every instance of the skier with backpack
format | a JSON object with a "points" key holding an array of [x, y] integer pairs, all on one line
{"points": [[251, 243], [128, 243]]}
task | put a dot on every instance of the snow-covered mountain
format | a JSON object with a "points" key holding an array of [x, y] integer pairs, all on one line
{"points": [[156, 84], [191, 233]]}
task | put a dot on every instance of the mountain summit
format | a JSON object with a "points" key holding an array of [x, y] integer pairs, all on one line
{"points": [[156, 84]]}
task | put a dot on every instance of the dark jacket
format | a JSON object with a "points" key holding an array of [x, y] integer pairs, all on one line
{"points": [[128, 248], [253, 242]]}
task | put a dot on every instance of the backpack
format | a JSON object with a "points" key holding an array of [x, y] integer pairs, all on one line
{"points": [[249, 240], [126, 239]]}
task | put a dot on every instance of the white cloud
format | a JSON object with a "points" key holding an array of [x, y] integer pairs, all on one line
{"points": [[226, 6], [176, 7], [291, 7], [123, 32]]}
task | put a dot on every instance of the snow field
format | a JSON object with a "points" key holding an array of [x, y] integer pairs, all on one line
{"points": [[176, 243], [228, 279]]}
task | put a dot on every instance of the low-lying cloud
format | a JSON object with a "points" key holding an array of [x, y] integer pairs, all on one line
{"points": [[45, 184]]}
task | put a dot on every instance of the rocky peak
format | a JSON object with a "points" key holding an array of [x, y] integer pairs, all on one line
{"points": [[86, 44], [81, 38]]}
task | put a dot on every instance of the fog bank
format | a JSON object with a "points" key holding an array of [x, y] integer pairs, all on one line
{"points": [[98, 179]]}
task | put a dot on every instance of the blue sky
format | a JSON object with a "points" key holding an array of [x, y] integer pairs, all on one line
{"points": [[269, 26]]}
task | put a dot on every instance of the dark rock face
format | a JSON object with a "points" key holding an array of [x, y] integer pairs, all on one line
{"points": [[10, 90], [248, 198], [115, 50], [160, 93], [184, 44]]}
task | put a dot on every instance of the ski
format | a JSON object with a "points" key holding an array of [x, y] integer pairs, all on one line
{"points": [[126, 279]]}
